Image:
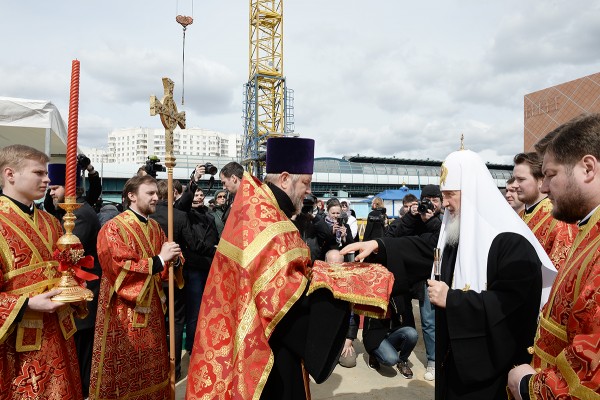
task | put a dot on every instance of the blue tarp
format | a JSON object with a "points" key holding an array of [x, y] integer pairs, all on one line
{"points": [[398, 194], [393, 199]]}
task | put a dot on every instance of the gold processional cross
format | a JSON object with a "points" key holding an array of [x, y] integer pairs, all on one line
{"points": [[170, 118]]}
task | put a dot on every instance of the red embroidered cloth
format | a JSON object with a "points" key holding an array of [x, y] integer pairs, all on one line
{"points": [[366, 286], [555, 236]]}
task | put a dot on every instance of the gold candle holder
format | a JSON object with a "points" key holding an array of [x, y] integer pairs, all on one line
{"points": [[71, 291]]}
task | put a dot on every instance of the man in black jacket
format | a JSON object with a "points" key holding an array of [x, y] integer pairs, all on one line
{"points": [[423, 220], [203, 242], [182, 238]]}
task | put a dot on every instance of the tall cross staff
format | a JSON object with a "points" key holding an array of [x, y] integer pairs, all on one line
{"points": [[170, 118]]}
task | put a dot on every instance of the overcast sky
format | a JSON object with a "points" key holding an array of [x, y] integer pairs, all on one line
{"points": [[380, 78]]}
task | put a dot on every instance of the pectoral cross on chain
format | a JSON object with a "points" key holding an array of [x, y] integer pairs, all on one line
{"points": [[169, 117]]}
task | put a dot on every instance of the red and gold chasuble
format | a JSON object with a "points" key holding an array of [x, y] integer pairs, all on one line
{"points": [[566, 351], [130, 358], [555, 236], [257, 274], [38, 359]]}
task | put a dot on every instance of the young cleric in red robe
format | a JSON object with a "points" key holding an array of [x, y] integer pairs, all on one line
{"points": [[566, 361], [38, 359], [130, 357]]}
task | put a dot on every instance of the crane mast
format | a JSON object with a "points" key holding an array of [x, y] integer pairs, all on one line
{"points": [[268, 104]]}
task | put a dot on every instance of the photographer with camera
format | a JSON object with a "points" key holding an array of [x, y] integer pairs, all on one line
{"points": [[336, 225], [422, 221], [231, 177], [376, 221]]}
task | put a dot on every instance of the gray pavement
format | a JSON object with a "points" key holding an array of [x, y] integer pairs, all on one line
{"points": [[361, 382]]}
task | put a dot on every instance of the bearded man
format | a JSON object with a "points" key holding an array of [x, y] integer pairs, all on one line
{"points": [[555, 236], [130, 348], [491, 283], [565, 361], [259, 333]]}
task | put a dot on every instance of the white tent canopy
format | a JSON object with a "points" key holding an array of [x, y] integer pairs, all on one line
{"points": [[36, 123]]}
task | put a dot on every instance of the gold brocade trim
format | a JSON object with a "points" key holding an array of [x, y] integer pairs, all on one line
{"points": [[531, 386], [251, 312], [7, 327], [32, 267], [6, 256], [570, 264], [576, 389], [142, 392], [36, 288], [355, 299], [245, 256], [260, 386], [35, 256], [581, 271], [554, 328], [545, 357], [31, 320], [103, 341], [143, 306], [542, 222], [529, 216], [66, 313]]}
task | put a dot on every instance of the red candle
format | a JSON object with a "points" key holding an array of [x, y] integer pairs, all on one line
{"points": [[71, 161]]}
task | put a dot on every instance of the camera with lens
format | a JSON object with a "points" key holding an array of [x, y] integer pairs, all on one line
{"points": [[342, 219], [83, 162], [208, 169], [308, 204], [424, 206], [152, 166]]}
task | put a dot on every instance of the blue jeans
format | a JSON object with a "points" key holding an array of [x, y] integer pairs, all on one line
{"points": [[397, 346], [195, 280], [428, 326]]}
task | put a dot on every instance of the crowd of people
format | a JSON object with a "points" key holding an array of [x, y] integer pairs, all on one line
{"points": [[507, 284]]}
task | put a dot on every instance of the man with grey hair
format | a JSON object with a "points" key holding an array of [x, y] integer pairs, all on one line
{"points": [[489, 292], [258, 330]]}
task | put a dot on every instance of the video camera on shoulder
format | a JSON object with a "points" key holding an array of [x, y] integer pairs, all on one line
{"points": [[424, 206], [152, 166]]}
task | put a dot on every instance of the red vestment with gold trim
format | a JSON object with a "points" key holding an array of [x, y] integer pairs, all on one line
{"points": [[555, 236], [566, 351], [257, 274], [130, 358], [38, 359]]}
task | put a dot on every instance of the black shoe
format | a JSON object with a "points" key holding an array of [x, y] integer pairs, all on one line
{"points": [[373, 363], [404, 369]]}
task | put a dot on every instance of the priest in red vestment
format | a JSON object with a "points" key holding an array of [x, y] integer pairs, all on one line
{"points": [[259, 333], [566, 359], [555, 236], [130, 358], [38, 359]]}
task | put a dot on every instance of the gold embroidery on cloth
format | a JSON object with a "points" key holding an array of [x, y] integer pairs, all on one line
{"points": [[66, 321], [32, 320], [554, 328], [575, 387], [249, 254], [8, 327]]}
